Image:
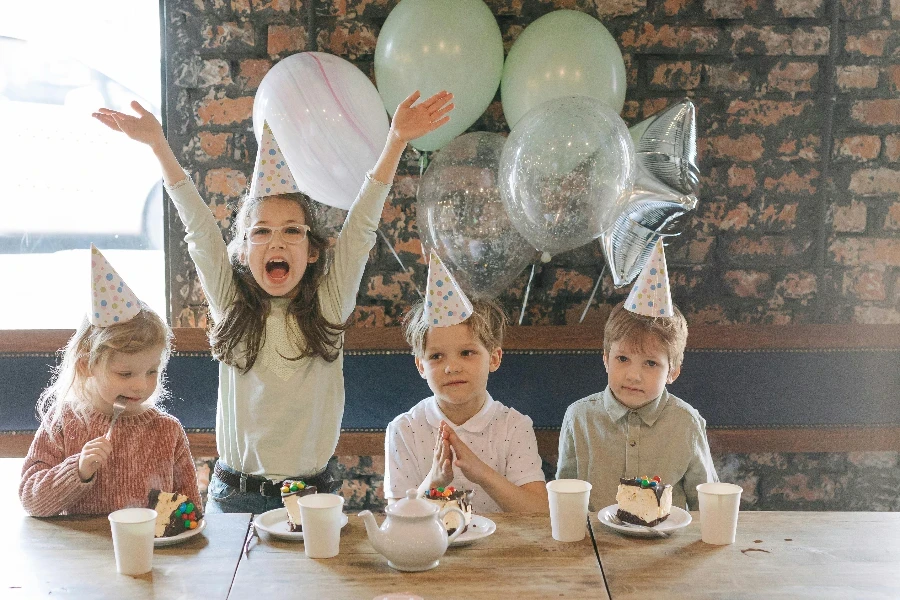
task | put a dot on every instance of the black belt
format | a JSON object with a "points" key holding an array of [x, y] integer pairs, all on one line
{"points": [[267, 487]]}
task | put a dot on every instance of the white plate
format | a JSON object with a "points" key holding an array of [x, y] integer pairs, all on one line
{"points": [[678, 518], [275, 524], [479, 527], [177, 539]]}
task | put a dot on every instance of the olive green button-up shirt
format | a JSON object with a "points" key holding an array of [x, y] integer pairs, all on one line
{"points": [[602, 440]]}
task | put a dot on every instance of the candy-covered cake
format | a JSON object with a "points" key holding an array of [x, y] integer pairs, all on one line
{"points": [[644, 501], [175, 513], [290, 495], [450, 496]]}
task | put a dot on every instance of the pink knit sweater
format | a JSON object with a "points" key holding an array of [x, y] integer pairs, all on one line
{"points": [[150, 450]]}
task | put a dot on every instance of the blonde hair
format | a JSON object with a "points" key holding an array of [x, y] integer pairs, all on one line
{"points": [[636, 330], [487, 322], [91, 348]]}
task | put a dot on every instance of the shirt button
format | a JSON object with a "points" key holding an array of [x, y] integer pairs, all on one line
{"points": [[633, 443]]}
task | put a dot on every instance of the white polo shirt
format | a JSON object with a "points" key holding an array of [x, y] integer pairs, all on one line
{"points": [[500, 436]]}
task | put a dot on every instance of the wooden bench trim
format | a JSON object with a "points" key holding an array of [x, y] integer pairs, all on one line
{"points": [[721, 441]]}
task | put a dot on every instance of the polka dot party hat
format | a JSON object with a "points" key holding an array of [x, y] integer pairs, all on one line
{"points": [[272, 176], [112, 301], [651, 295], [445, 302]]}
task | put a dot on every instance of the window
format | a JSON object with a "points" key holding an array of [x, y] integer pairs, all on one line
{"points": [[68, 181]]}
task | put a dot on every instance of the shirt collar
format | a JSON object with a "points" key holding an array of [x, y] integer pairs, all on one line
{"points": [[648, 413], [435, 415]]}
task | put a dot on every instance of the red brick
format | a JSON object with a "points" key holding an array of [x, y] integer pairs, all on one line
{"points": [[708, 315], [872, 182], [875, 315], [670, 8], [225, 182], [770, 246], [682, 39], [742, 179], [727, 77], [877, 113], [654, 105], [856, 77], [811, 41], [681, 75], [367, 316], [729, 9], [228, 35], [861, 9], [725, 219], [224, 111], [892, 218], [859, 147], [747, 147], [895, 10], [894, 76], [571, 281], [864, 284], [284, 39], [214, 145], [783, 217], [616, 8], [850, 218], [350, 39], [216, 72], [866, 252], [748, 284], [764, 112], [277, 6], [871, 43], [392, 288], [793, 77], [892, 147], [797, 286], [240, 7], [252, 70], [631, 110], [793, 183], [799, 8], [800, 149], [694, 251]]}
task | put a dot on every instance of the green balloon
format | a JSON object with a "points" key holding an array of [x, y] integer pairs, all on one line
{"points": [[434, 45], [564, 53]]}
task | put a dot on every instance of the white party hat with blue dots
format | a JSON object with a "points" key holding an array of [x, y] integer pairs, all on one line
{"points": [[272, 176], [112, 301], [445, 302], [651, 295]]}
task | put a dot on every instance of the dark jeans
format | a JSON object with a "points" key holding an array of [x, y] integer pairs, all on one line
{"points": [[223, 498]]}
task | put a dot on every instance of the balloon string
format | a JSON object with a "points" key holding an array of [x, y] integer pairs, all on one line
{"points": [[527, 292], [591, 299], [402, 266]]}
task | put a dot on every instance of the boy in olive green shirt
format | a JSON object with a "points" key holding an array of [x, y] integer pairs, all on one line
{"points": [[635, 427]]}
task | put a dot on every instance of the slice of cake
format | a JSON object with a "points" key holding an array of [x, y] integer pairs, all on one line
{"points": [[644, 501], [450, 496], [175, 513], [290, 495]]}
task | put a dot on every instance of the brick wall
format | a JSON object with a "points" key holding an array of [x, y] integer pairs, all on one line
{"points": [[798, 137]]}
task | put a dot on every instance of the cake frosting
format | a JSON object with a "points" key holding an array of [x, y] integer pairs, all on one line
{"points": [[291, 491], [175, 513], [643, 501], [450, 496]]}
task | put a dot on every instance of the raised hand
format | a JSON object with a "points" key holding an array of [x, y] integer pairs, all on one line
{"points": [[475, 469], [143, 128], [411, 122], [94, 455]]}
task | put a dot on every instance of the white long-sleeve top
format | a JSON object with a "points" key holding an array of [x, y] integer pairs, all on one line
{"points": [[282, 418]]}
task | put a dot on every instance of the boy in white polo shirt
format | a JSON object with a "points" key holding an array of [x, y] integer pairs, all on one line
{"points": [[462, 436]]}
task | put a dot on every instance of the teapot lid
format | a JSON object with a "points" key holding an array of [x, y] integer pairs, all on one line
{"points": [[412, 506]]}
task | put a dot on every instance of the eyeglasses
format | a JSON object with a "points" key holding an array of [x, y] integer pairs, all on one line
{"points": [[290, 234]]}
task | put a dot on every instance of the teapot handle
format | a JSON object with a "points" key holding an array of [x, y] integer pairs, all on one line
{"points": [[462, 521]]}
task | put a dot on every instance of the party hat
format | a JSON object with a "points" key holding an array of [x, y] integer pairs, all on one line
{"points": [[651, 295], [445, 302], [272, 176], [111, 299]]}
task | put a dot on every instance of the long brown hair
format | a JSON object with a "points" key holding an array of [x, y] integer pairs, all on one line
{"points": [[237, 337]]}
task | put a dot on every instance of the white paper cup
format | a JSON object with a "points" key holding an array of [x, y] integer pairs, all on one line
{"points": [[321, 516], [568, 508], [133, 530], [719, 505]]}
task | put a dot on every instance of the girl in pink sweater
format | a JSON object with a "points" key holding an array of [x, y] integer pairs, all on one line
{"points": [[77, 463]]}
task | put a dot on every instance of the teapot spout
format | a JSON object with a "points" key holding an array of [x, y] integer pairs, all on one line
{"points": [[373, 531]]}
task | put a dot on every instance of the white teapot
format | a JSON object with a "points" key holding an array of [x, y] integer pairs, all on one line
{"points": [[412, 536]]}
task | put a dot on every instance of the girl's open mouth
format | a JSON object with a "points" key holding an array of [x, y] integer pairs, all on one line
{"points": [[277, 270]]}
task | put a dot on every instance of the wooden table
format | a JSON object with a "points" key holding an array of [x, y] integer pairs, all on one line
{"points": [[792, 555], [73, 557], [519, 561]]}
